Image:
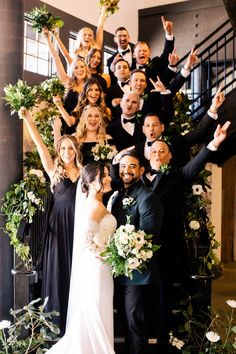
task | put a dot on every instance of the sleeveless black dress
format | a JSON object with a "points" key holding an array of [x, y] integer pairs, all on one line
{"points": [[57, 254]]}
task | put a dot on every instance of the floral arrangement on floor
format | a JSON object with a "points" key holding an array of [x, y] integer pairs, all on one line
{"points": [[213, 332], [103, 151], [31, 330], [20, 95], [128, 250], [42, 18], [111, 6]]}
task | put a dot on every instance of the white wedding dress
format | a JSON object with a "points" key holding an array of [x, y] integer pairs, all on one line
{"points": [[90, 311]]}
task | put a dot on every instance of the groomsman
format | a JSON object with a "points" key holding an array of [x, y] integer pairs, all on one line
{"points": [[145, 214], [127, 129]]}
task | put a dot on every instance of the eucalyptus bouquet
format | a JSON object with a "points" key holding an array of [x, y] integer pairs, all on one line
{"points": [[42, 18], [51, 87], [128, 250], [20, 95], [40, 330], [111, 6], [103, 151]]}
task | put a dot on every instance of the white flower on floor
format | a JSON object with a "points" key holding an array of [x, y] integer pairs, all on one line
{"points": [[231, 303], [194, 225], [213, 336], [197, 189], [4, 324]]}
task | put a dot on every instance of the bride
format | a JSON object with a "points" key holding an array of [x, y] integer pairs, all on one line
{"points": [[90, 310]]}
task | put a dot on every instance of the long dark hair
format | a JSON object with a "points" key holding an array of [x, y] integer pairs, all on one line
{"points": [[90, 172]]}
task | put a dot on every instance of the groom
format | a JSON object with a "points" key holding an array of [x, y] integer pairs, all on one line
{"points": [[145, 212]]}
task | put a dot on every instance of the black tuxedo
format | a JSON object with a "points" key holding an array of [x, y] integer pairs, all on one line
{"points": [[145, 214], [110, 60], [121, 138], [172, 263], [115, 91]]}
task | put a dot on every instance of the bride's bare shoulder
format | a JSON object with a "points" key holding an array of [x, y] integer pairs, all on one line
{"points": [[96, 211]]}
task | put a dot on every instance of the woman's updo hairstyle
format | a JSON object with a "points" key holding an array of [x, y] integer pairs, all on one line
{"points": [[89, 173]]}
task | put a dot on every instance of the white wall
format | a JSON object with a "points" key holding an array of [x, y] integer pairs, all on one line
{"points": [[88, 10]]}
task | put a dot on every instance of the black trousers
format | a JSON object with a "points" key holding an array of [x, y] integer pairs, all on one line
{"points": [[140, 306]]}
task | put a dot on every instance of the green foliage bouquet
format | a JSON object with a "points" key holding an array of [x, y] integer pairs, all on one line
{"points": [[103, 151], [20, 95], [51, 87], [128, 249], [42, 18], [111, 6], [31, 331]]}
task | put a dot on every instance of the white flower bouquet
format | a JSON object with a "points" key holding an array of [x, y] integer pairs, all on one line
{"points": [[103, 151], [42, 18], [128, 250]]}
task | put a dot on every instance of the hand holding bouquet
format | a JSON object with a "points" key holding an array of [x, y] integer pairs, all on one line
{"points": [[50, 88], [42, 18], [103, 151], [111, 6], [128, 250]]}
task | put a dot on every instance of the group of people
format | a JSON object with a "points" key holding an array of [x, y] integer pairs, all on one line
{"points": [[130, 108]]}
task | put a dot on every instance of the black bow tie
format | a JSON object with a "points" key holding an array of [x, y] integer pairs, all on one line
{"points": [[154, 172], [124, 83], [149, 143], [132, 120], [125, 51], [142, 67]]}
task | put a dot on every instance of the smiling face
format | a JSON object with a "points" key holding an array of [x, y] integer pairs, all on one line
{"points": [[93, 119], [152, 128], [95, 60], [122, 39], [130, 170], [86, 37], [93, 94], [138, 82], [122, 70], [159, 155], [142, 53], [129, 104], [66, 152], [80, 70], [102, 185]]}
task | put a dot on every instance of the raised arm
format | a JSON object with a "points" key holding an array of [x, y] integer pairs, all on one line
{"points": [[64, 78], [100, 27], [62, 48], [70, 120], [37, 139]]}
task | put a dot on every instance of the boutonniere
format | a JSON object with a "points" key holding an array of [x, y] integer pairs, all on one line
{"points": [[138, 116], [145, 96], [128, 202], [149, 64], [164, 168]]}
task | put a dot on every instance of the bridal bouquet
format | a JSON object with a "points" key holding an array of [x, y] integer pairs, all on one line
{"points": [[42, 18], [111, 6], [128, 250], [51, 87], [20, 95], [103, 151]]}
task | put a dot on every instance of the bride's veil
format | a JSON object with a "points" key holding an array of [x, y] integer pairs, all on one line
{"points": [[76, 254]]}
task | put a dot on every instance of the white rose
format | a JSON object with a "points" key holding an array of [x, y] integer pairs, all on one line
{"points": [[213, 336], [143, 255], [194, 225], [124, 239], [129, 228], [133, 263], [134, 251], [197, 189], [43, 180], [149, 254], [4, 324], [231, 303]]}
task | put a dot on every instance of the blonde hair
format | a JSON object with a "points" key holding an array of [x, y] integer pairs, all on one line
{"points": [[79, 45], [73, 80], [59, 172], [81, 130]]}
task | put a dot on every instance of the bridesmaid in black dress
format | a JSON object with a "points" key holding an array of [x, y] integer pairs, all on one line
{"points": [[95, 65], [63, 172]]}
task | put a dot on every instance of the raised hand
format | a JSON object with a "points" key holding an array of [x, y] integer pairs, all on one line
{"points": [[167, 25], [220, 134], [173, 58], [192, 59], [217, 101], [158, 85]]}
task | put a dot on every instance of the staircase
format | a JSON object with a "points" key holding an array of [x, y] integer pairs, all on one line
{"points": [[216, 66]]}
